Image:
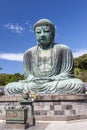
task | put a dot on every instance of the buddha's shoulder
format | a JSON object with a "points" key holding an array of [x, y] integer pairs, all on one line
{"points": [[30, 50], [61, 46]]}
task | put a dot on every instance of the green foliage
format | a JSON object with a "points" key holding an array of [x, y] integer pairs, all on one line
{"points": [[80, 74], [81, 62], [7, 78], [80, 65]]}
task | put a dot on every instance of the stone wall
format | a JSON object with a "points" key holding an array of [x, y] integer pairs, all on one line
{"points": [[49, 107], [60, 107]]}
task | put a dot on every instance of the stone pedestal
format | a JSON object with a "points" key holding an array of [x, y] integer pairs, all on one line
{"points": [[47, 107], [60, 107]]}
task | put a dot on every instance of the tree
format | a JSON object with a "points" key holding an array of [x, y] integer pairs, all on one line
{"points": [[7, 78], [81, 62]]}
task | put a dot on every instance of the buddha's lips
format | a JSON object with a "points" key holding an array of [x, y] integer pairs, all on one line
{"points": [[42, 38]]}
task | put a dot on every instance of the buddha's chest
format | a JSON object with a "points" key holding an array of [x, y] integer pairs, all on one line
{"points": [[45, 60]]}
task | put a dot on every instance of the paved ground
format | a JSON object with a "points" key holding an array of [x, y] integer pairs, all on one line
{"points": [[40, 126], [60, 125]]}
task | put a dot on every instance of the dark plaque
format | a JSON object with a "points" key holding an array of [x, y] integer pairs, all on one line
{"points": [[16, 116]]}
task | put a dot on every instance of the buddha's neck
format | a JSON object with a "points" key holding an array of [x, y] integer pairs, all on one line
{"points": [[46, 46]]}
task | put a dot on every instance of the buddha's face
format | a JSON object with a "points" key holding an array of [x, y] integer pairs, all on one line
{"points": [[43, 34]]}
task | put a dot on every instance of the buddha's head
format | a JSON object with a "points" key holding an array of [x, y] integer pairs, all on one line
{"points": [[45, 32]]}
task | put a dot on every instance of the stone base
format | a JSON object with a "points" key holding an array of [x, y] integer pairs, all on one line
{"points": [[48, 107], [16, 126], [60, 107]]}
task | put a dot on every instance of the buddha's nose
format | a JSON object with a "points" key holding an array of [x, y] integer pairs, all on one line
{"points": [[42, 33]]}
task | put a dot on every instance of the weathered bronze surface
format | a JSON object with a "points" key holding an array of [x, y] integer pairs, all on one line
{"points": [[48, 67], [16, 115]]}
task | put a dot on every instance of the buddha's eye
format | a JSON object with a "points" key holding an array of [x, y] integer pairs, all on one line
{"points": [[47, 30], [38, 32]]}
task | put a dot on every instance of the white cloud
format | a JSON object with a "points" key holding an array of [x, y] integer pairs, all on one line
{"points": [[12, 56], [79, 52], [29, 26], [19, 29], [16, 28]]}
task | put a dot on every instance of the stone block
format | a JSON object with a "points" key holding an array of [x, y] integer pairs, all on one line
{"points": [[50, 113], [16, 126], [57, 107], [59, 113]]}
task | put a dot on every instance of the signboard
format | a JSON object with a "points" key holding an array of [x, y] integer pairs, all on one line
{"points": [[16, 116]]}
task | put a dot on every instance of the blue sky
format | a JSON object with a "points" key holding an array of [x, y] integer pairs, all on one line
{"points": [[16, 27]]}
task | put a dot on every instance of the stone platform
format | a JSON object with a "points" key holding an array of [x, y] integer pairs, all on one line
{"points": [[60, 107], [49, 107]]}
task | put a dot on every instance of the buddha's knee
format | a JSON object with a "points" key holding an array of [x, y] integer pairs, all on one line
{"points": [[71, 86], [13, 88]]}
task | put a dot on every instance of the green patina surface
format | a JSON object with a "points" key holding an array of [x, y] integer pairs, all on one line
{"points": [[48, 66], [16, 115]]}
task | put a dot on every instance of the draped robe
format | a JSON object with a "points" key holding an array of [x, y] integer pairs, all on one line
{"points": [[55, 76]]}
